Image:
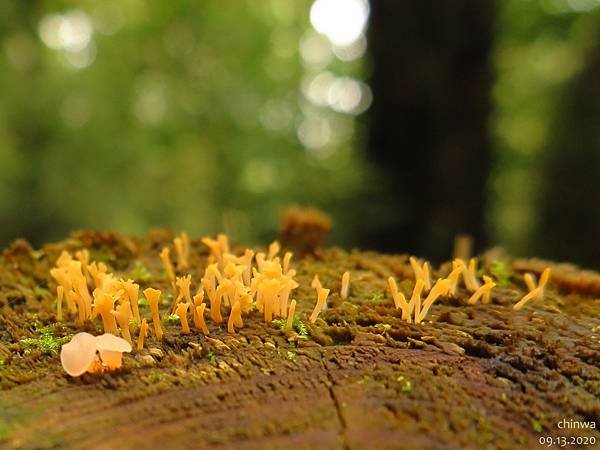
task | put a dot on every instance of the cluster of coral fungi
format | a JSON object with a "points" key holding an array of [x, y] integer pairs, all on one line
{"points": [[232, 284]]}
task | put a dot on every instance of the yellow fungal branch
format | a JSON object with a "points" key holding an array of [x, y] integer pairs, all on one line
{"points": [[142, 335], [274, 249], [415, 301], [153, 297], [290, 318], [60, 293], [439, 288], [537, 292], [320, 305], [286, 261], [345, 285], [399, 299], [181, 312], [104, 304], [421, 273], [165, 256], [132, 290], [98, 271], [83, 256], [183, 287], [215, 307], [452, 278], [199, 319], [235, 318], [182, 243], [122, 316], [469, 274], [483, 291]]}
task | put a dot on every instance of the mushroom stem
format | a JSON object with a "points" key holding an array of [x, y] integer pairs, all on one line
{"points": [[235, 318], [153, 296], [200, 319], [181, 311], [290, 318], [345, 285], [321, 298], [142, 335]]}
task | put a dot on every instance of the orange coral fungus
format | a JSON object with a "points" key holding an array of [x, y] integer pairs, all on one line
{"points": [[399, 299], [60, 293], [439, 288], [345, 285], [286, 261], [142, 335], [153, 297], [457, 270], [482, 291], [320, 305], [215, 307], [132, 290], [181, 312], [122, 315], [104, 304], [537, 292], [98, 272], [290, 318], [165, 256], [274, 249], [183, 285], [235, 318], [415, 301], [181, 244], [421, 273], [199, 319]]}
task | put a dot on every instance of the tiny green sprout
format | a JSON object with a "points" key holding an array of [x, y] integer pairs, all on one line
{"points": [[291, 355], [172, 318], [300, 328], [279, 323], [143, 302], [377, 297], [406, 384], [45, 342], [383, 326], [140, 272], [504, 396], [155, 377], [501, 273], [211, 356], [537, 426]]}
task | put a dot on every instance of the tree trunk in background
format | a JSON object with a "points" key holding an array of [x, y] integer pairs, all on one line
{"points": [[569, 225], [431, 80]]}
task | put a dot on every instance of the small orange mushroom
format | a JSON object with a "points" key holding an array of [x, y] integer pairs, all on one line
{"points": [[111, 349], [79, 355], [165, 256], [104, 304], [537, 292], [439, 288]]}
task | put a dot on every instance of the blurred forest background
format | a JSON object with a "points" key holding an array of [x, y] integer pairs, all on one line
{"points": [[407, 121]]}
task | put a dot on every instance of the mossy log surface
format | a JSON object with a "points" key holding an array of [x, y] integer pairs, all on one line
{"points": [[470, 376]]}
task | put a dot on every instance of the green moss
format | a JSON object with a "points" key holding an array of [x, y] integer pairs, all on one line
{"points": [[297, 325], [383, 326], [377, 297], [155, 377], [405, 383], [46, 341], [211, 356], [173, 318], [291, 355], [143, 302], [501, 273], [140, 272], [537, 426]]}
